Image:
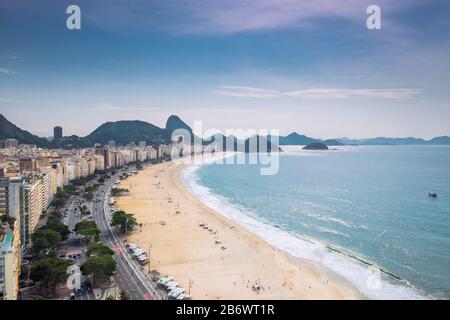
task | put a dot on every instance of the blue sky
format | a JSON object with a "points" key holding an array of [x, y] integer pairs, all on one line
{"points": [[306, 66]]}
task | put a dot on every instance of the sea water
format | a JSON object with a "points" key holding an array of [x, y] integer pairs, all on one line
{"points": [[362, 212]]}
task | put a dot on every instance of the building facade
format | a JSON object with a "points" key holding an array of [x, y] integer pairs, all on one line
{"points": [[57, 133], [10, 261]]}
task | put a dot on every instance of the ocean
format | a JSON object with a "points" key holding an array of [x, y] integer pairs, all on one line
{"points": [[362, 212]]}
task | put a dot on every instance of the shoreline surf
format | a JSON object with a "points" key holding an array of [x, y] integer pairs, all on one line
{"points": [[357, 270], [224, 260]]}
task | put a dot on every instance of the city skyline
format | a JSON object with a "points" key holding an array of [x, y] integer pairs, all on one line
{"points": [[313, 69]]}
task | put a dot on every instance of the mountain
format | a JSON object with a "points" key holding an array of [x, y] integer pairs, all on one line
{"points": [[124, 132], [257, 144], [332, 142], [296, 139], [174, 122], [410, 141], [393, 141], [440, 140], [315, 146], [219, 142], [10, 131], [253, 144]]}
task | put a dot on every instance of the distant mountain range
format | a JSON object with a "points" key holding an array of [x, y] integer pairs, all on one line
{"points": [[124, 132], [298, 139], [444, 140], [10, 131]]}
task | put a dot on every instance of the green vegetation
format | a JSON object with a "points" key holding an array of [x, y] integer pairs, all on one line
{"points": [[118, 191], [59, 199], [88, 229], [90, 189], [50, 271], [84, 211], [23, 272], [78, 182], [9, 130], [99, 266], [54, 223], [5, 218], [70, 189], [44, 238], [88, 196], [99, 249], [124, 295], [125, 221]]}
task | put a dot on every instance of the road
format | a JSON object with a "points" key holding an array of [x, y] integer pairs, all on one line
{"points": [[129, 277], [74, 248]]}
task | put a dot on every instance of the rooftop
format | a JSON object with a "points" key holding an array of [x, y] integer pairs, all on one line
{"points": [[6, 239], [6, 242]]}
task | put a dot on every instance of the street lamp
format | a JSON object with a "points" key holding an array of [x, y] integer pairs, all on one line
{"points": [[149, 247], [126, 229], [191, 282]]}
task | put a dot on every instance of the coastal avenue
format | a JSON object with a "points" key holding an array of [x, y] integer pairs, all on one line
{"points": [[129, 277]]}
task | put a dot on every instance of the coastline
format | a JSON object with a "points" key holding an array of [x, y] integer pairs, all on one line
{"points": [[370, 279], [223, 262]]}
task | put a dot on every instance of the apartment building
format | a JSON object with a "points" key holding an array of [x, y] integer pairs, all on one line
{"points": [[32, 205], [10, 260]]}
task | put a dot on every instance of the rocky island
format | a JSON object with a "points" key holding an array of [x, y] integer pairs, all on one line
{"points": [[315, 146]]}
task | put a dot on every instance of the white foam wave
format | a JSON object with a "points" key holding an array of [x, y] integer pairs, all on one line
{"points": [[358, 274]]}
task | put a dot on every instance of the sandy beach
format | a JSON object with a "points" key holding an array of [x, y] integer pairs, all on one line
{"points": [[223, 261]]}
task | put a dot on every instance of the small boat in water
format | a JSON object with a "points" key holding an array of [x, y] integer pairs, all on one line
{"points": [[432, 194]]}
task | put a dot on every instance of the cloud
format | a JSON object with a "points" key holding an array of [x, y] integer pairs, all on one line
{"points": [[247, 92], [8, 100], [109, 107], [12, 57], [209, 17], [353, 93], [6, 71], [318, 93], [232, 16]]}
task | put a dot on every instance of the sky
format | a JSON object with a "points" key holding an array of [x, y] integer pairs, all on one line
{"points": [[307, 66]]}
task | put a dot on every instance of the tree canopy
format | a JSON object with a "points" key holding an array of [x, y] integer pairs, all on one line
{"points": [[124, 295], [50, 271], [54, 223], [45, 238], [99, 249], [60, 198], [99, 266], [123, 220], [88, 229], [5, 218], [118, 191]]}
